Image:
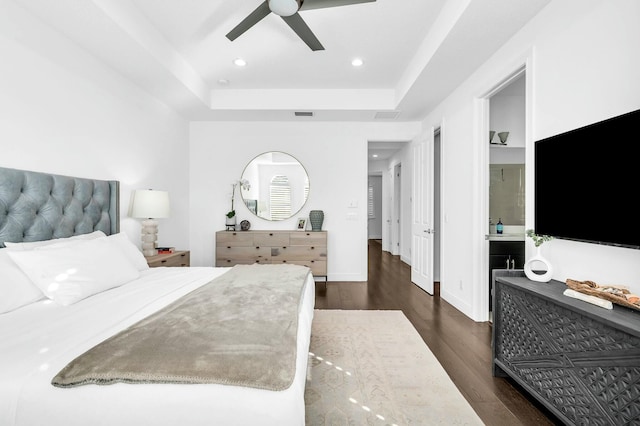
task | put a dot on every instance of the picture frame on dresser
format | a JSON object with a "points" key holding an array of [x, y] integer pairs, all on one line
{"points": [[302, 224]]}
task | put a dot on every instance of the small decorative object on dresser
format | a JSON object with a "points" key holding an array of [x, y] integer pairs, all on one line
{"points": [[230, 220], [302, 224], [245, 225], [177, 258], [537, 259], [316, 217]]}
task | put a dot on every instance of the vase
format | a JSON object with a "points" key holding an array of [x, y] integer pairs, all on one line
{"points": [[316, 217], [231, 223], [537, 275]]}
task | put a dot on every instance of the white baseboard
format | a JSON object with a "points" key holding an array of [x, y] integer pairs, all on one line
{"points": [[346, 277]]}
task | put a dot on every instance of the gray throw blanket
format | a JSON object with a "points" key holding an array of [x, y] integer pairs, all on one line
{"points": [[240, 329]]}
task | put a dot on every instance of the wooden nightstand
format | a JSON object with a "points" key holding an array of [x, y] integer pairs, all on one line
{"points": [[177, 258]]}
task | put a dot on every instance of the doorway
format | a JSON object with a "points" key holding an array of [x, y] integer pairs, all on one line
{"points": [[385, 163], [505, 110], [437, 199]]}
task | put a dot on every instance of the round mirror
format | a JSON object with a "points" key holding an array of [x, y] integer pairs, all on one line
{"points": [[275, 186]]}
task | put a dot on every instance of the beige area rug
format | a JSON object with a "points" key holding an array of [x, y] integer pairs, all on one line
{"points": [[373, 368]]}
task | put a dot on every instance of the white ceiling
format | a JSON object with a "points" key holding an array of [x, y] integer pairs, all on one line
{"points": [[414, 51]]}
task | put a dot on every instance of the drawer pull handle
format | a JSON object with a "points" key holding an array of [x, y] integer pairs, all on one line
{"points": [[312, 248], [163, 261], [313, 261], [283, 248], [234, 233], [257, 248], [284, 261], [228, 247], [183, 254], [271, 234]]}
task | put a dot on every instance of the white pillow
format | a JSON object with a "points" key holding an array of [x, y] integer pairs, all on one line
{"points": [[129, 250], [74, 272], [16, 289], [37, 244]]}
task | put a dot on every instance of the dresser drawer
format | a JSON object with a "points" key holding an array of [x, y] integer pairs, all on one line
{"points": [[242, 255], [318, 267], [271, 239], [298, 253], [177, 259], [234, 239], [308, 238]]}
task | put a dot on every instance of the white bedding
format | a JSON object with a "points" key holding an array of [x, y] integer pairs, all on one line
{"points": [[38, 340]]}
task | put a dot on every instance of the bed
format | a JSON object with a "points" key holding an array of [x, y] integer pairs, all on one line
{"points": [[50, 220]]}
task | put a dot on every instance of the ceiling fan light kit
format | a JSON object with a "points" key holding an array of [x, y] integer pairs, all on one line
{"points": [[284, 7], [288, 11]]}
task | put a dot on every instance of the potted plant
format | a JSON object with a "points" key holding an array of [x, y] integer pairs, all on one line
{"points": [[538, 240], [231, 214]]}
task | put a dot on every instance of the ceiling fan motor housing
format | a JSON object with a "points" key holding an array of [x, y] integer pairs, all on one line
{"points": [[285, 7]]}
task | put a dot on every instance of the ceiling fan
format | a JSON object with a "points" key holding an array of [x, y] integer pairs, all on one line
{"points": [[288, 10]]}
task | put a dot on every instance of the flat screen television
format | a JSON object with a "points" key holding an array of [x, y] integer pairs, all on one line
{"points": [[587, 183]]}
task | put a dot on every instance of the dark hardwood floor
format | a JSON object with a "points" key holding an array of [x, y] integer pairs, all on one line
{"points": [[462, 346]]}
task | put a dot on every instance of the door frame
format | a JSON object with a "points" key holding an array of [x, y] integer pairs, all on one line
{"points": [[482, 154], [396, 216]]}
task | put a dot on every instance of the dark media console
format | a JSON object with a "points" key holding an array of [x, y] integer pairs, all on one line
{"points": [[579, 360]]}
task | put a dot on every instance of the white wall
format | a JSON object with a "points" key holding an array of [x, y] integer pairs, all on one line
{"points": [[584, 61], [64, 112], [335, 157]]}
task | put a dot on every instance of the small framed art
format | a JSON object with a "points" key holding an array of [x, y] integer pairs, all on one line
{"points": [[302, 224]]}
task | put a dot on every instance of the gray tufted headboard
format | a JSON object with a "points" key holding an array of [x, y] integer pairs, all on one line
{"points": [[40, 206]]}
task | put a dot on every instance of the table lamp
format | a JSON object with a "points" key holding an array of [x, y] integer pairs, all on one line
{"points": [[150, 205]]}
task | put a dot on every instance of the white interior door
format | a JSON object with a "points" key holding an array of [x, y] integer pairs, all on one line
{"points": [[422, 216]]}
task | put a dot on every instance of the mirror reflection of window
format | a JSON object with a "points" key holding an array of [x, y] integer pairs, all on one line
{"points": [[370, 206], [260, 173], [280, 198]]}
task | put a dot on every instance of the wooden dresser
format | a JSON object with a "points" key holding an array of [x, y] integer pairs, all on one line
{"points": [[307, 248]]}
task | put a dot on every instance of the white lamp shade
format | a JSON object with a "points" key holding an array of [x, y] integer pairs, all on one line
{"points": [[149, 203]]}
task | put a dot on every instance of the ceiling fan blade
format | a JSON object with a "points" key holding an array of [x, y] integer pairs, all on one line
{"points": [[322, 4], [253, 18], [300, 27]]}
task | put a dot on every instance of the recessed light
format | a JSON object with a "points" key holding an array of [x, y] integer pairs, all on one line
{"points": [[240, 62], [223, 82], [375, 155], [357, 62]]}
